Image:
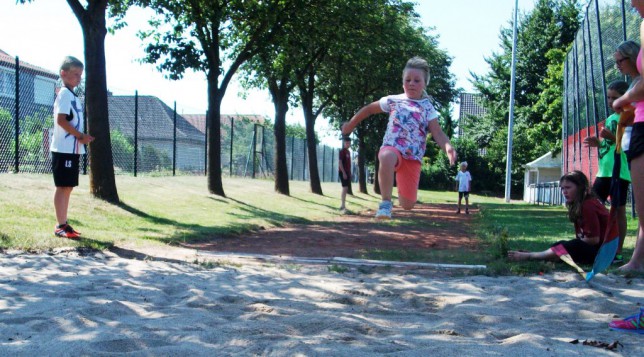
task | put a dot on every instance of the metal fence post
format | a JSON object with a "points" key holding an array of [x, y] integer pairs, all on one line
{"points": [[174, 141], [136, 130], [16, 143], [254, 146], [601, 55], [232, 135], [323, 161], [583, 46], [304, 164], [205, 151], [292, 152], [623, 23], [564, 128], [577, 100]]}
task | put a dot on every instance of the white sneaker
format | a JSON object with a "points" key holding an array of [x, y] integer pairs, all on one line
{"points": [[384, 210]]}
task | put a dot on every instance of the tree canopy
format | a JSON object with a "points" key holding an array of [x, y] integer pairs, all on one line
{"points": [[544, 36]]}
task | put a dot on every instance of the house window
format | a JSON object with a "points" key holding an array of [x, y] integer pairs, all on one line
{"points": [[7, 83], [534, 177], [44, 90]]}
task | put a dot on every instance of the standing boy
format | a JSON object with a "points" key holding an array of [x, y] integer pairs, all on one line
{"points": [[68, 143], [464, 180], [344, 169]]}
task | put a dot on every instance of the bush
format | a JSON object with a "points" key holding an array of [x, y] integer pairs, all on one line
{"points": [[122, 151]]}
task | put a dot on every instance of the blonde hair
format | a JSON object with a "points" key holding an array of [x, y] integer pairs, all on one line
{"points": [[71, 62], [629, 49], [418, 63]]}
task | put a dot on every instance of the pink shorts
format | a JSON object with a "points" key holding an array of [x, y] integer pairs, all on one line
{"points": [[407, 175]]}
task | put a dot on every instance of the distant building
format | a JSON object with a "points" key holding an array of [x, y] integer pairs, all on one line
{"points": [[199, 120], [37, 87], [155, 133], [471, 107]]}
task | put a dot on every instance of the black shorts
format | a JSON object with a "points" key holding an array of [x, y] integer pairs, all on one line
{"points": [[345, 183], [636, 147], [601, 187], [65, 169], [580, 251], [462, 194]]}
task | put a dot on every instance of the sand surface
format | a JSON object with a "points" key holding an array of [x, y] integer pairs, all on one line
{"points": [[103, 304]]}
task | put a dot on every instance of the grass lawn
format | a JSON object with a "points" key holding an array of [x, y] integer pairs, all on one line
{"points": [[158, 209], [167, 210]]}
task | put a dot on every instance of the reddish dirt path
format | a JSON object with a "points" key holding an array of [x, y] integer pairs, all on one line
{"points": [[427, 226]]}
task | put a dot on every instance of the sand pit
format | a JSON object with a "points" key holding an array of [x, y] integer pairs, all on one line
{"points": [[102, 304]]}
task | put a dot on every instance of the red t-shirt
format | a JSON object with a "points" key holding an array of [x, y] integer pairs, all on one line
{"points": [[345, 159], [594, 220]]}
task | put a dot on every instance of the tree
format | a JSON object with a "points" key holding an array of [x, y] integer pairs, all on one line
{"points": [[214, 37], [92, 18], [367, 67], [544, 35], [274, 68]]}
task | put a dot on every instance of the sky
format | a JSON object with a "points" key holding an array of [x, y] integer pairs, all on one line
{"points": [[45, 31]]}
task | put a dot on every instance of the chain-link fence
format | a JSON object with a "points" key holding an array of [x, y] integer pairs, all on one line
{"points": [[588, 68], [148, 137]]}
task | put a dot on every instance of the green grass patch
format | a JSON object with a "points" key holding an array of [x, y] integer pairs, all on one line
{"points": [[522, 226], [334, 268], [172, 210], [163, 210]]}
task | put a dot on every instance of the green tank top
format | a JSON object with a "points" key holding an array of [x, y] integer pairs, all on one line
{"points": [[607, 153]]}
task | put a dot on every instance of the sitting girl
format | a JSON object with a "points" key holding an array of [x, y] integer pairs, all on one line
{"points": [[589, 216]]}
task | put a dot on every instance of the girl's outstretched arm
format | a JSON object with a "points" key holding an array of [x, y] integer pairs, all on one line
{"points": [[442, 140], [362, 114]]}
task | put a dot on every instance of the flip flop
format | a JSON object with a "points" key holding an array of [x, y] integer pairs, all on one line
{"points": [[633, 323]]}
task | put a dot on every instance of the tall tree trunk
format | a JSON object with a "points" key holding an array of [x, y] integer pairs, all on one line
{"points": [[376, 182], [215, 96], [362, 179], [280, 101], [311, 145], [101, 175]]}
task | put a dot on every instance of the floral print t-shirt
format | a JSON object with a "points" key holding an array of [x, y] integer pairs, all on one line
{"points": [[408, 124]]}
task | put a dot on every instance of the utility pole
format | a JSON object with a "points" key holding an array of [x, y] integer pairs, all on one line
{"points": [[508, 167]]}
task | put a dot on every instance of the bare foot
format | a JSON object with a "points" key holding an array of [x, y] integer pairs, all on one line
{"points": [[631, 266], [519, 256]]}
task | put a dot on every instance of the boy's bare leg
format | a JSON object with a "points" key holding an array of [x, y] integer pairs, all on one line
{"points": [[344, 197], [467, 205], [61, 203]]}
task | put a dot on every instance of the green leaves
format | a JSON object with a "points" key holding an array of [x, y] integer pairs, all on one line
{"points": [[544, 35]]}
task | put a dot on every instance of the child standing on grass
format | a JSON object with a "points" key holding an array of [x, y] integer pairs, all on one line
{"points": [[601, 186], [344, 170], [68, 143], [411, 117], [589, 216], [464, 181]]}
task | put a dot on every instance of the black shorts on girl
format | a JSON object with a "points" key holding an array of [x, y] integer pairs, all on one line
{"points": [[580, 251], [601, 187], [65, 169], [636, 147]]}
